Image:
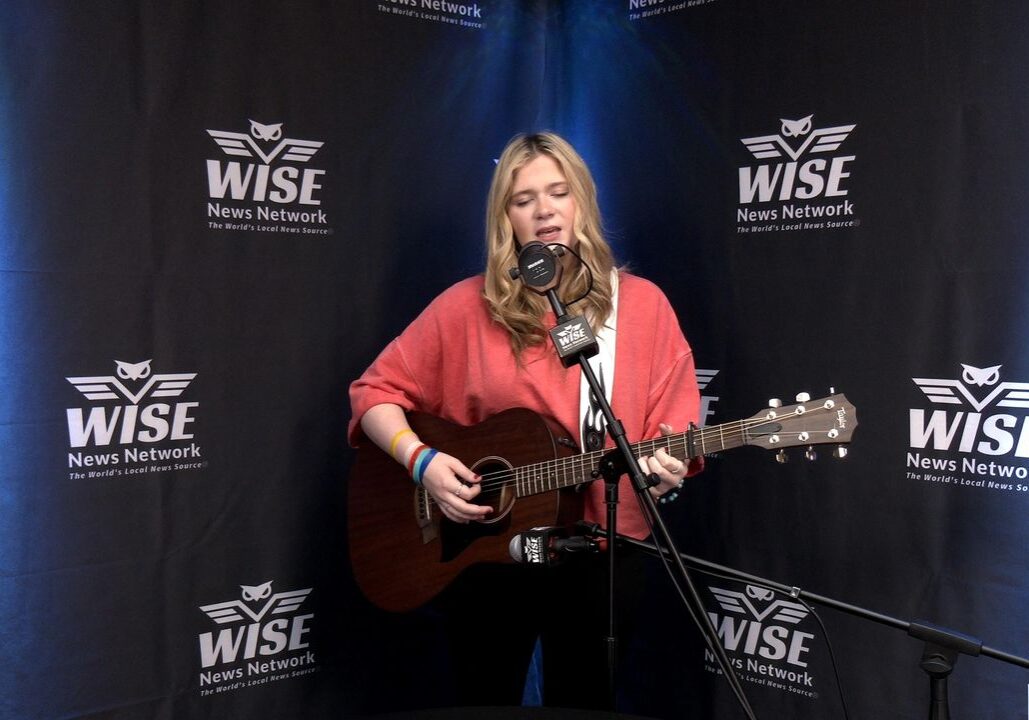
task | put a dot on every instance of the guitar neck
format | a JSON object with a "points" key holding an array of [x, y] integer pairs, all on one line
{"points": [[830, 420], [578, 469]]}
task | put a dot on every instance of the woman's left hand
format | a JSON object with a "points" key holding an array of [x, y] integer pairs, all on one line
{"points": [[669, 470]]}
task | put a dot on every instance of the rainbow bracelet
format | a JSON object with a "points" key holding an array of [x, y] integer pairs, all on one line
{"points": [[424, 458], [414, 457]]}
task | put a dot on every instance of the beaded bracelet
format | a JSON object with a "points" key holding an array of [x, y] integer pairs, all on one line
{"points": [[672, 494]]}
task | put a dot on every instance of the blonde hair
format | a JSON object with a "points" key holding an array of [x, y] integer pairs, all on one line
{"points": [[517, 309]]}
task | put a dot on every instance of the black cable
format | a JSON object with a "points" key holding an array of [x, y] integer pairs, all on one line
{"points": [[582, 263]]}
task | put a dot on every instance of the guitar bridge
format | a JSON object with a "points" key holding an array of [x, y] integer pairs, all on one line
{"points": [[423, 515]]}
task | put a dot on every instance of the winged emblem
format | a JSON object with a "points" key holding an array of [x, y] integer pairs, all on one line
{"points": [[109, 387], [821, 140], [704, 377], [740, 604], [243, 145], [945, 391], [238, 610]]}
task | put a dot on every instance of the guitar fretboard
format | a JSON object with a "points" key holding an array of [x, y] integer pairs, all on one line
{"points": [[577, 469]]}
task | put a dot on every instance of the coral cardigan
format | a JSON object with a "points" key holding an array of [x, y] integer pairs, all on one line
{"points": [[455, 362]]}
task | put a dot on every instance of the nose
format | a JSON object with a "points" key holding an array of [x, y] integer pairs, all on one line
{"points": [[544, 209]]}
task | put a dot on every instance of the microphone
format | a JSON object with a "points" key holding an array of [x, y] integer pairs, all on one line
{"points": [[538, 266], [547, 546]]}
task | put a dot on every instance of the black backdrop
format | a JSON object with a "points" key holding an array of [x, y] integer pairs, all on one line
{"points": [[185, 298]]}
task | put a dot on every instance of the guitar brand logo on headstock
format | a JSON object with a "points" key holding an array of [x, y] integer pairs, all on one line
{"points": [[841, 417]]}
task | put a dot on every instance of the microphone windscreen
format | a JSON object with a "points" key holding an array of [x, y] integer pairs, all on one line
{"points": [[515, 548]]}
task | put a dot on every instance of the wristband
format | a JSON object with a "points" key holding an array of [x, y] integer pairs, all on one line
{"points": [[396, 439], [671, 495], [424, 458], [414, 456]]}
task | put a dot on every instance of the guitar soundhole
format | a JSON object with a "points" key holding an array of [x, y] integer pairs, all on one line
{"points": [[498, 487]]}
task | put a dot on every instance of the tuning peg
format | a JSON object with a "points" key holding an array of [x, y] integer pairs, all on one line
{"points": [[810, 453], [839, 452], [774, 403], [781, 457], [803, 397]]}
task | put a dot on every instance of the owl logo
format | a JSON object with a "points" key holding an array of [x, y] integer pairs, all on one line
{"points": [[981, 376], [239, 610], [267, 133], [239, 144], [760, 593], [132, 371], [796, 128], [253, 593], [945, 391], [739, 603], [110, 387], [822, 140]]}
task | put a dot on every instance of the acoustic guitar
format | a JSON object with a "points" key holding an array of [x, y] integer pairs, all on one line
{"points": [[404, 551]]}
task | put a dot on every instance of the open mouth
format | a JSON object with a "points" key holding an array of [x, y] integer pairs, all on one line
{"points": [[548, 234]]}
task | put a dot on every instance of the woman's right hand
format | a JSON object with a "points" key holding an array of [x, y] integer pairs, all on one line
{"points": [[453, 486]]}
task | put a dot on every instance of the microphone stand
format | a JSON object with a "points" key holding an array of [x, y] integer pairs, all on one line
{"points": [[942, 646], [540, 270]]}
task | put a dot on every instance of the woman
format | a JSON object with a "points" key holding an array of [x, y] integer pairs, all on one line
{"points": [[481, 347]]}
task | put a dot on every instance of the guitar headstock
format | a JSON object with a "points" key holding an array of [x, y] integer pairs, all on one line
{"points": [[829, 420]]}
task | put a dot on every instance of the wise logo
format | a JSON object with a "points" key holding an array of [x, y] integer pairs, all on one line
{"points": [[120, 437], [763, 638], [975, 433], [707, 402], [261, 637], [800, 182], [262, 182], [467, 15]]}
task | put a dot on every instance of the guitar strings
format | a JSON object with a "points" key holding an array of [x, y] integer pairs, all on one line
{"points": [[676, 444]]}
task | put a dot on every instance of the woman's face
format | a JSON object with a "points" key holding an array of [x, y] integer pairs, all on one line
{"points": [[542, 207]]}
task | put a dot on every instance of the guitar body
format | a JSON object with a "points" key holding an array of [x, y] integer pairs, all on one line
{"points": [[403, 550]]}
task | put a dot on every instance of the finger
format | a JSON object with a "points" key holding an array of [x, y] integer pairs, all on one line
{"points": [[669, 463], [463, 473], [467, 493], [466, 512], [651, 466], [666, 429], [451, 514], [459, 498]]}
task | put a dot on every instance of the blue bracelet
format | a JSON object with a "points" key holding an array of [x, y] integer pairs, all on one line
{"points": [[422, 463]]}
